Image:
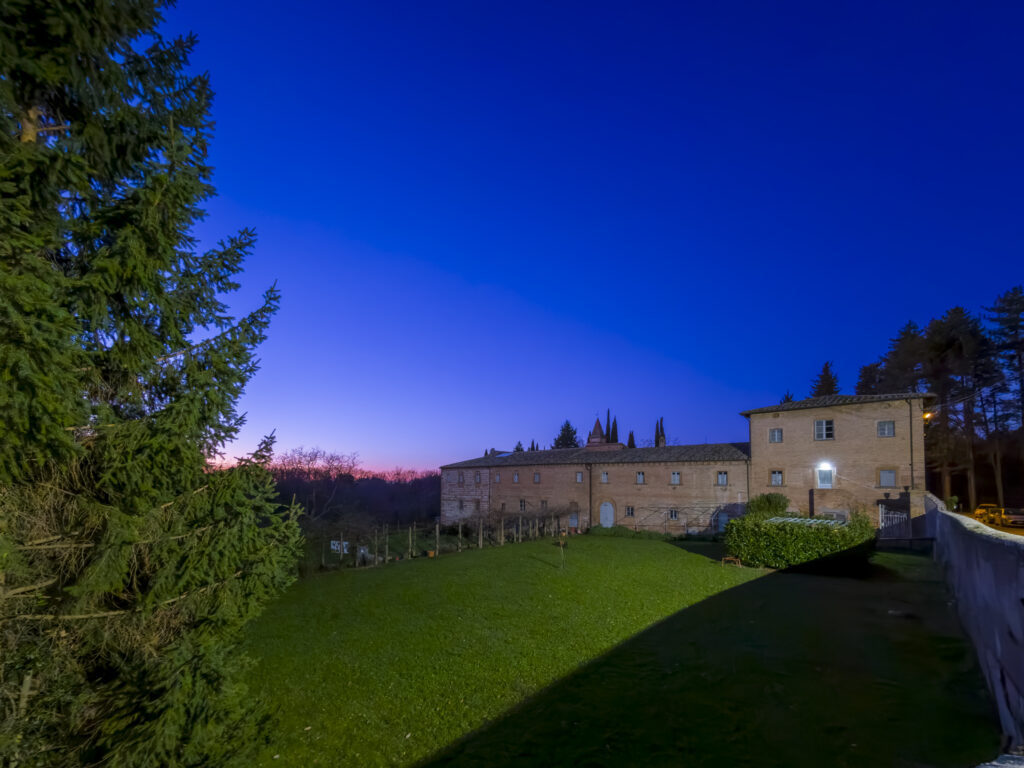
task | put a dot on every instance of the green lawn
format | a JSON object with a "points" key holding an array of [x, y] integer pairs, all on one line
{"points": [[426, 660]]}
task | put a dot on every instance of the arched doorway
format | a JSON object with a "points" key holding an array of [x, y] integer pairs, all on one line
{"points": [[607, 514]]}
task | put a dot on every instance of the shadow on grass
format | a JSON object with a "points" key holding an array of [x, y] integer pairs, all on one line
{"points": [[713, 550], [792, 669]]}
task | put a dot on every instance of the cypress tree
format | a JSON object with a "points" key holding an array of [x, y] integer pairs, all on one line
{"points": [[130, 563], [608, 426], [631, 442], [615, 431]]}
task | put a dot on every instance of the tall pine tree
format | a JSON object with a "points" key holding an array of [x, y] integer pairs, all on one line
{"points": [[826, 382], [128, 563], [566, 437]]}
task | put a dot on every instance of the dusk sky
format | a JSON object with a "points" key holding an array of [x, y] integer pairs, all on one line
{"points": [[486, 218]]}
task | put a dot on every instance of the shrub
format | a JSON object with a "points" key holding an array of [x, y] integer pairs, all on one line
{"points": [[760, 543], [768, 505]]}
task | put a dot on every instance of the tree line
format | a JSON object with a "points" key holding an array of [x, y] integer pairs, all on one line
{"points": [[333, 489], [973, 364]]}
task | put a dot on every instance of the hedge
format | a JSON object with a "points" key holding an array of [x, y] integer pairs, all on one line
{"points": [[760, 543]]}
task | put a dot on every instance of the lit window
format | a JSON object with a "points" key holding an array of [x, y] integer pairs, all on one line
{"points": [[629, 512], [776, 477], [673, 514], [887, 478], [579, 477], [825, 478], [723, 478], [887, 429], [604, 477], [824, 429], [775, 435], [639, 478], [476, 478], [675, 478], [536, 477], [522, 505], [515, 477]]}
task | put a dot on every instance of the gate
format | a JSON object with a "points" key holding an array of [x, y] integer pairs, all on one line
{"points": [[893, 523]]}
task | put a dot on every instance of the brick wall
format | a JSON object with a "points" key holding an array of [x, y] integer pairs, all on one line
{"points": [[856, 452]]}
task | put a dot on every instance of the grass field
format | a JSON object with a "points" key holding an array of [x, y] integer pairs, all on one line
{"points": [[635, 653]]}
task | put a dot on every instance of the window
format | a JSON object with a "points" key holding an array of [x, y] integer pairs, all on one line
{"points": [[515, 477], [824, 430], [604, 477], [543, 505], [497, 477], [776, 477], [723, 478], [887, 477], [675, 478], [536, 477], [775, 435], [639, 478], [887, 429], [476, 505], [825, 478], [629, 512], [579, 477], [460, 505], [673, 514], [503, 507], [476, 478], [462, 480], [522, 505]]}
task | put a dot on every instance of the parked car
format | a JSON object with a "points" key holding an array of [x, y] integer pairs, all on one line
{"points": [[1011, 517], [986, 513]]}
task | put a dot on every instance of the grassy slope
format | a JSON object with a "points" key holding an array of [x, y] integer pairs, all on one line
{"points": [[388, 666]]}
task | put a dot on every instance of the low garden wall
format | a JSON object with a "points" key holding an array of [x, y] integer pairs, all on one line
{"points": [[985, 570]]}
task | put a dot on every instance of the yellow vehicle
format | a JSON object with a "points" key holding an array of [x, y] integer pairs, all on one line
{"points": [[987, 513]]}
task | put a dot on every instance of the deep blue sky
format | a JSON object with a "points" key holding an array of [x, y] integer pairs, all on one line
{"points": [[486, 218]]}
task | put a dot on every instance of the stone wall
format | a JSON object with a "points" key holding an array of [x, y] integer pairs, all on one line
{"points": [[985, 571]]}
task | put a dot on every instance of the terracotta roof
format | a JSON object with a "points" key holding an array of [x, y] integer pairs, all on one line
{"points": [[668, 453], [832, 400]]}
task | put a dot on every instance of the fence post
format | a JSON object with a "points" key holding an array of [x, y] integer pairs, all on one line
{"points": [[460, 535], [480, 532], [410, 539], [387, 544], [437, 538], [501, 530], [376, 552]]}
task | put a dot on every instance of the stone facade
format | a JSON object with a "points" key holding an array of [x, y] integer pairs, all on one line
{"points": [[872, 446]]}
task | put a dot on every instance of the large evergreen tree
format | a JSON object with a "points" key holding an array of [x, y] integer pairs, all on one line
{"points": [[128, 564], [566, 437], [826, 382], [1007, 317]]}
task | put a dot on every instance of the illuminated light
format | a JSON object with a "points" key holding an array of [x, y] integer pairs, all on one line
{"points": [[825, 466], [928, 416]]}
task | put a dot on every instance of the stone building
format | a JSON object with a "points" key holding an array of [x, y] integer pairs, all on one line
{"points": [[828, 455]]}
